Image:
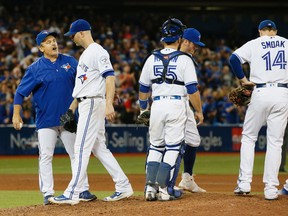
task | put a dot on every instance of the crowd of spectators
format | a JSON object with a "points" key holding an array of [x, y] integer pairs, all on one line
{"points": [[128, 39]]}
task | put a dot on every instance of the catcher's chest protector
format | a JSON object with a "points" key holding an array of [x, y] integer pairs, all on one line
{"points": [[165, 58]]}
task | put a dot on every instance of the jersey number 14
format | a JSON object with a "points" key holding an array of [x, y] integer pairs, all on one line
{"points": [[279, 60]]}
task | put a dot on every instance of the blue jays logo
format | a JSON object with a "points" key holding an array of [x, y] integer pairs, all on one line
{"points": [[66, 66], [83, 77], [104, 60]]}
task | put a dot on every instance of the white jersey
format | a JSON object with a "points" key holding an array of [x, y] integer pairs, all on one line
{"points": [[89, 80], [93, 63], [268, 57], [179, 67]]}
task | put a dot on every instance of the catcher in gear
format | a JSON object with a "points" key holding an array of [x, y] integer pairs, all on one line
{"points": [[241, 96], [67, 120], [169, 96]]}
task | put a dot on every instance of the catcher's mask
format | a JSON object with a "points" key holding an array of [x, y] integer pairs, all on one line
{"points": [[171, 30]]}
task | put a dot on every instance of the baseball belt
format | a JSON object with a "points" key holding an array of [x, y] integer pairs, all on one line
{"points": [[264, 85], [80, 99]]}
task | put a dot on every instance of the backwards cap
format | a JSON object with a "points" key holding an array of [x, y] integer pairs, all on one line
{"points": [[172, 29]]}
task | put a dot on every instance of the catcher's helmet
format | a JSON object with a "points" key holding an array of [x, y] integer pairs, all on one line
{"points": [[172, 29]]}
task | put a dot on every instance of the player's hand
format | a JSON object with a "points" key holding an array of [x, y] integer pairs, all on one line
{"points": [[17, 122], [245, 82], [110, 113], [199, 118]]}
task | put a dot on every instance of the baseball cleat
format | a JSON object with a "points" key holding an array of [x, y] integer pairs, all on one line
{"points": [[270, 192], [118, 196], [239, 191], [46, 199], [271, 197], [86, 196], [63, 200], [165, 196], [150, 196], [150, 193], [187, 183], [283, 191]]}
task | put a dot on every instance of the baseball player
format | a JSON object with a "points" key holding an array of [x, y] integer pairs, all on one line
{"points": [[190, 43], [168, 73], [94, 91], [284, 190], [51, 80], [267, 56]]}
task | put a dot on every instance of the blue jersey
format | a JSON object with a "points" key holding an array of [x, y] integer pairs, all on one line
{"points": [[51, 85]]}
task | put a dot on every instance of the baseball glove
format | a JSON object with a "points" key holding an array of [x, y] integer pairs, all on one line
{"points": [[144, 117], [67, 120], [241, 96]]}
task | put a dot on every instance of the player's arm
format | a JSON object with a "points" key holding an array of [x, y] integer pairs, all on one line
{"points": [[110, 91], [144, 85], [195, 100], [143, 97], [16, 119], [73, 106], [26, 86], [237, 70]]}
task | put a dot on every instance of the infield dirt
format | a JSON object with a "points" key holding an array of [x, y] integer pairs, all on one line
{"points": [[219, 199]]}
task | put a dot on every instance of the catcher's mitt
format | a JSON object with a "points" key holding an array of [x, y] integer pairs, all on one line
{"points": [[241, 96], [144, 117], [67, 120]]}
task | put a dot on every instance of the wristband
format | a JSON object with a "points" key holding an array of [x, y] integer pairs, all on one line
{"points": [[143, 104]]}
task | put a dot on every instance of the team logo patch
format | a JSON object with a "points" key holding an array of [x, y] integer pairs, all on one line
{"points": [[66, 66], [83, 77], [83, 67], [104, 60]]}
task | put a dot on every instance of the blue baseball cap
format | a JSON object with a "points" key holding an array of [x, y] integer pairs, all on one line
{"points": [[42, 35], [193, 35], [77, 26], [267, 23]]}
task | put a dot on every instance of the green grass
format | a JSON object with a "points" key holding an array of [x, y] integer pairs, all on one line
{"points": [[216, 164], [61, 165], [10, 199], [205, 164]]}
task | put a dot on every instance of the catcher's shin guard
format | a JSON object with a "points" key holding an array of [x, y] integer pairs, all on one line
{"points": [[163, 174], [154, 154], [177, 165], [151, 172]]}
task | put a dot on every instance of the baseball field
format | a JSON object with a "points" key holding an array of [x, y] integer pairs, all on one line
{"points": [[215, 172]]}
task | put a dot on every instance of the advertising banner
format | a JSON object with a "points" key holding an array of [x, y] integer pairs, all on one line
{"points": [[128, 139]]}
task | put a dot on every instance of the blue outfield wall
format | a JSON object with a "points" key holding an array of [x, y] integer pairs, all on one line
{"points": [[128, 139]]}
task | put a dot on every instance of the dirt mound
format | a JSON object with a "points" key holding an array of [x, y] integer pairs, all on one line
{"points": [[219, 199]]}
